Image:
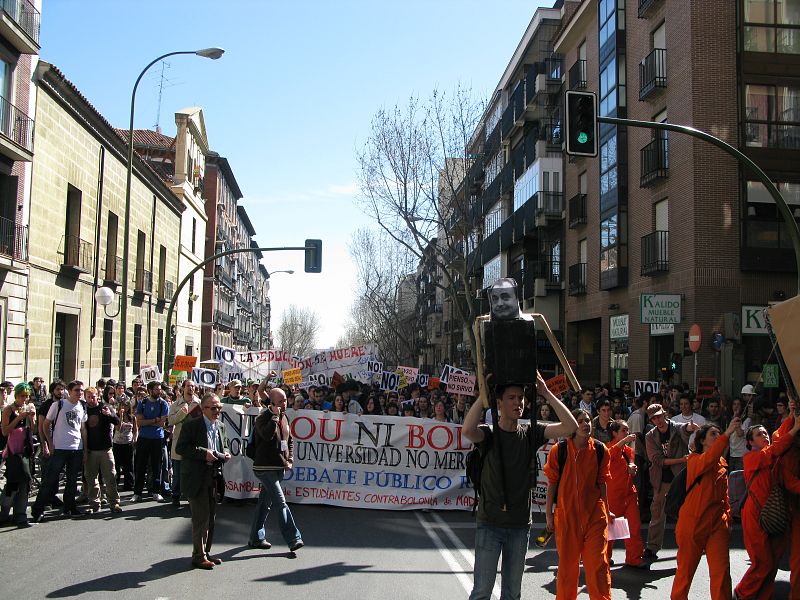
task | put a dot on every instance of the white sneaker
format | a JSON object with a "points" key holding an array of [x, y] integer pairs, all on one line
{"points": [[158, 498]]}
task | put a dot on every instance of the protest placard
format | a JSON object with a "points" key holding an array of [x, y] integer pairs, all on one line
{"points": [[292, 376], [558, 384], [184, 363], [461, 383], [204, 377], [410, 373], [148, 374], [640, 387]]}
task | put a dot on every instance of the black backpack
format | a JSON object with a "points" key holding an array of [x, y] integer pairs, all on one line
{"points": [[474, 463], [599, 448], [677, 493]]}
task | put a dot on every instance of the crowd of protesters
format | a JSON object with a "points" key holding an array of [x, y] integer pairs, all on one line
{"points": [[119, 438]]}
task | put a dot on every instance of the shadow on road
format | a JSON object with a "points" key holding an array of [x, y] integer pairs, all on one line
{"points": [[318, 573], [633, 581]]}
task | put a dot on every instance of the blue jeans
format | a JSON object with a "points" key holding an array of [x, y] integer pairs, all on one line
{"points": [[72, 459], [490, 542], [271, 492]]}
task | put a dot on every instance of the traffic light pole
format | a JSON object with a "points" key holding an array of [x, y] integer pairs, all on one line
{"points": [[168, 345], [783, 207]]}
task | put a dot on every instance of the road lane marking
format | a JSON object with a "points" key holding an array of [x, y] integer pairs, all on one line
{"points": [[430, 529]]}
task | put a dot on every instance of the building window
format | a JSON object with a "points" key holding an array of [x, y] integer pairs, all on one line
{"points": [[608, 87], [137, 348], [160, 350], [608, 244], [108, 341], [608, 24], [194, 235], [772, 116], [763, 224], [772, 26], [525, 187], [608, 165], [191, 302], [491, 272], [494, 167], [493, 219]]}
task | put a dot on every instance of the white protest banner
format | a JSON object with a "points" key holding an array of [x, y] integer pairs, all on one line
{"points": [[149, 374], [460, 383], [204, 377], [410, 373], [390, 382], [639, 387], [446, 372]]}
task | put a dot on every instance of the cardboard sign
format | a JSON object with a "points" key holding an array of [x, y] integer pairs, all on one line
{"points": [[204, 377], [558, 384], [422, 380], [403, 379], [176, 376], [705, 387], [184, 363], [461, 383], [149, 374], [374, 366], [433, 383], [390, 382], [640, 387], [410, 373], [224, 354], [448, 370], [292, 376]]}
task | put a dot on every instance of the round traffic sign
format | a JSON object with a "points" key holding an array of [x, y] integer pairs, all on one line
{"points": [[695, 337]]}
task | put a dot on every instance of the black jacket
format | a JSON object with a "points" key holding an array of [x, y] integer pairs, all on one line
{"points": [[268, 444]]}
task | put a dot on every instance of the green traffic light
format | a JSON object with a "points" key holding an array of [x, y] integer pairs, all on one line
{"points": [[582, 137]]}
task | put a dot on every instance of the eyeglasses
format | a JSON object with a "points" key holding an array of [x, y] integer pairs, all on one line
{"points": [[214, 408]]}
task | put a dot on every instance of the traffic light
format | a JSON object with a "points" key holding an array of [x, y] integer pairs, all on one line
{"points": [[675, 362], [313, 256], [581, 123]]}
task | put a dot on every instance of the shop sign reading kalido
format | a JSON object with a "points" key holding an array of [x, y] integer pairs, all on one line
{"points": [[660, 308]]}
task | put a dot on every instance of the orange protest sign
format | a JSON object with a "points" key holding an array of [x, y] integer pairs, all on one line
{"points": [[292, 377], [184, 363], [433, 383], [558, 384]]}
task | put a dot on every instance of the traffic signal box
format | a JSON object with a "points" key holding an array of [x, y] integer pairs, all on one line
{"points": [[313, 256], [581, 123]]}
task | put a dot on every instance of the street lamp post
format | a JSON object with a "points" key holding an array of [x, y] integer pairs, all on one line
{"points": [[213, 54]]}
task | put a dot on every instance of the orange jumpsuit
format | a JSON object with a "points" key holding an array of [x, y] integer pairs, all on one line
{"points": [[765, 551], [704, 524], [623, 501], [581, 521], [790, 470]]}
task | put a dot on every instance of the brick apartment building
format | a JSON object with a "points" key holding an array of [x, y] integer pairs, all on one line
{"points": [[654, 213]]}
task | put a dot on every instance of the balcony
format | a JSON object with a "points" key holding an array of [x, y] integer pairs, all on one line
{"points": [[654, 162], [16, 132], [577, 210], [550, 271], [241, 337], [646, 6], [144, 282], [77, 254], [653, 73], [577, 75], [244, 304], [226, 279], [19, 24], [577, 279], [166, 291], [13, 240], [113, 269], [224, 319], [549, 205], [655, 253]]}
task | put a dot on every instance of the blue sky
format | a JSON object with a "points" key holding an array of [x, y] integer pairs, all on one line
{"points": [[289, 103]]}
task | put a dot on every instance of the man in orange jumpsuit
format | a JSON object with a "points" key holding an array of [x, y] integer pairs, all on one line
{"points": [[790, 470], [622, 496], [705, 517], [581, 515], [765, 551]]}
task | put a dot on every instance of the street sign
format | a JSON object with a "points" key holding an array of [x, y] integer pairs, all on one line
{"points": [[660, 308], [695, 338], [770, 375]]}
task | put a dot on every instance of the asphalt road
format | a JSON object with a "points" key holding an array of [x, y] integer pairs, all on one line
{"points": [[143, 553]]}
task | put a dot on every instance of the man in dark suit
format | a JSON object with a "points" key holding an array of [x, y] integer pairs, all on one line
{"points": [[202, 451]]}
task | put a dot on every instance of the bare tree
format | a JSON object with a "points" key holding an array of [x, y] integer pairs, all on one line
{"points": [[412, 172], [383, 312], [297, 332]]}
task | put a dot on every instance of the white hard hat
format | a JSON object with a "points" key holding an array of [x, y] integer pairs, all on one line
{"points": [[748, 389]]}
